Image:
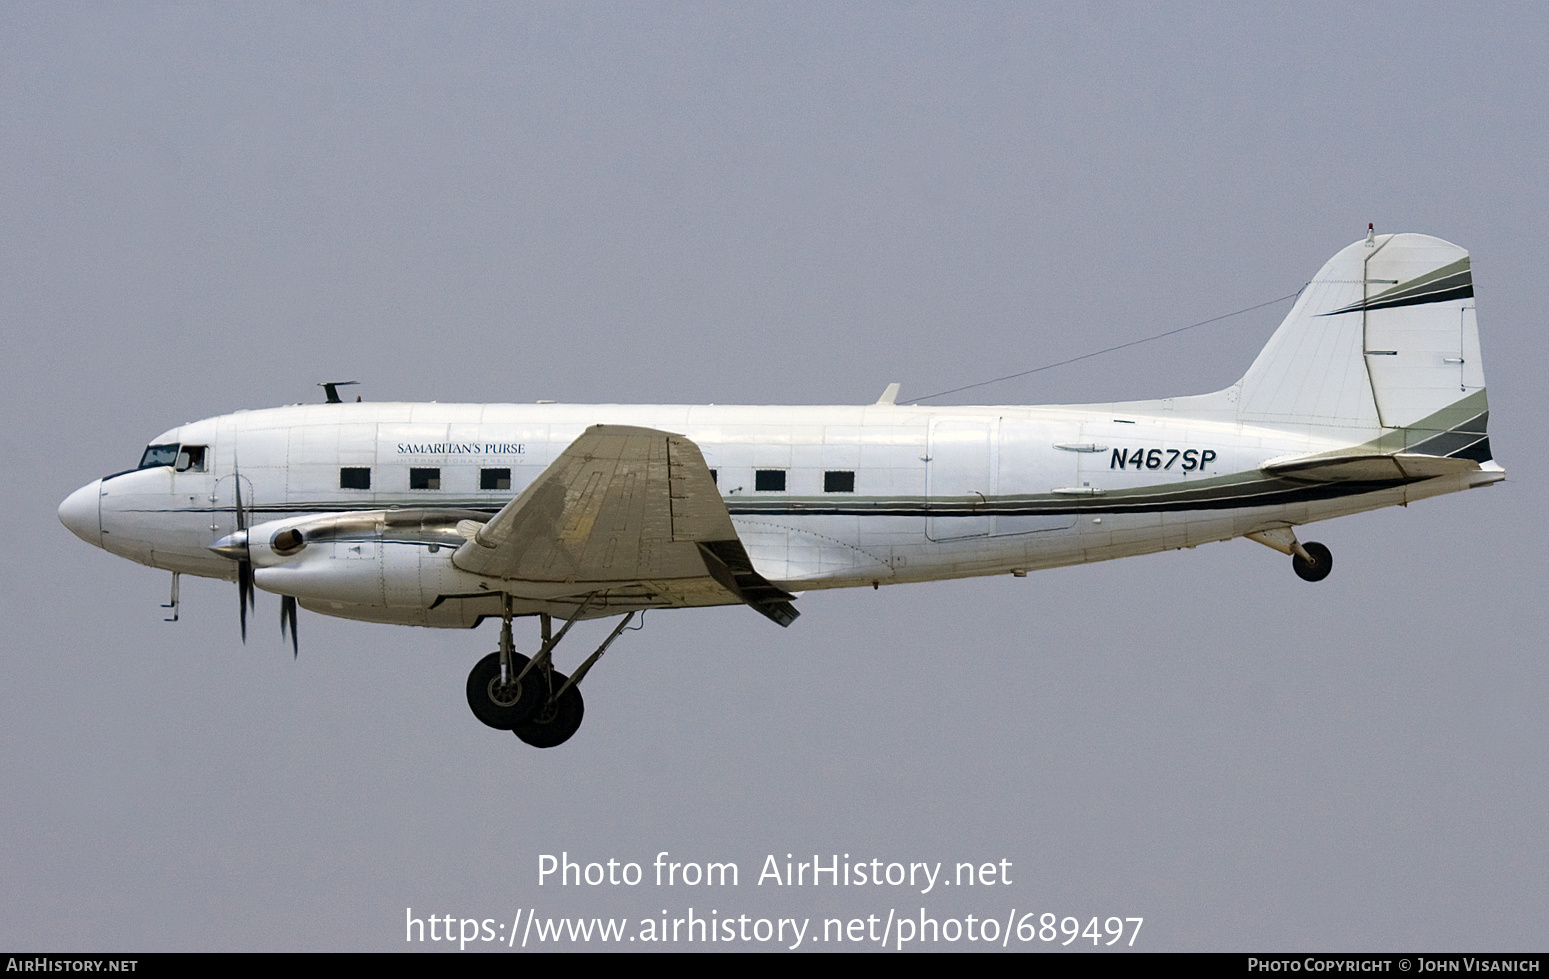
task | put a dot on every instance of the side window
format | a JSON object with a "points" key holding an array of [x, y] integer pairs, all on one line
{"points": [[355, 477], [839, 481], [769, 480], [425, 479], [190, 459], [494, 479]]}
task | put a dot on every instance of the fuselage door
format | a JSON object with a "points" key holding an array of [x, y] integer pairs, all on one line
{"points": [[960, 477], [223, 505], [1035, 459]]}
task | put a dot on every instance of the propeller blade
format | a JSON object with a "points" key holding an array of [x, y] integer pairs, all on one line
{"points": [[236, 478], [245, 597], [288, 623], [245, 593]]}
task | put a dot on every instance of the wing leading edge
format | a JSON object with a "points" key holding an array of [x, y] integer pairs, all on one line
{"points": [[624, 508]]}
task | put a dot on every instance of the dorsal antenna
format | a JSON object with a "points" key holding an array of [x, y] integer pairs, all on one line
{"points": [[331, 388]]}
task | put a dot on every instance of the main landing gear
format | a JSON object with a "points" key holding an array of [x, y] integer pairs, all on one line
{"points": [[1311, 561], [559, 718], [497, 697], [528, 697]]}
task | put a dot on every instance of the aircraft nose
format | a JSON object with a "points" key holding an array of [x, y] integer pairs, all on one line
{"points": [[81, 513]]}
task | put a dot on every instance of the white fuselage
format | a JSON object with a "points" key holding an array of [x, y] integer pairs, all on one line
{"points": [[821, 496]]}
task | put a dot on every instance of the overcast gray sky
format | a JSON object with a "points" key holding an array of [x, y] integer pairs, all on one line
{"points": [[209, 207]]}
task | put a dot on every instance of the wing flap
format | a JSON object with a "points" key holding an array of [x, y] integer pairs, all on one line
{"points": [[729, 564]]}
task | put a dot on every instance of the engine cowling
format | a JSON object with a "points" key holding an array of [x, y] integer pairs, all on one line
{"points": [[381, 558]]}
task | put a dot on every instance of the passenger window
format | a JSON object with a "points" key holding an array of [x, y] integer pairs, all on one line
{"points": [[355, 477], [158, 455], [769, 480], [425, 479], [190, 459], [494, 479], [839, 481]]}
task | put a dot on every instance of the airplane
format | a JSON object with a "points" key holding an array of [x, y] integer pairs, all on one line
{"points": [[1370, 394]]}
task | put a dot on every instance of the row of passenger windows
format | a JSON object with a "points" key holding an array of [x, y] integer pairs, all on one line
{"points": [[190, 458], [359, 477], [764, 480], [773, 480]]}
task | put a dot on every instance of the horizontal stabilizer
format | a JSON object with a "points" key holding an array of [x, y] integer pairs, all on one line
{"points": [[1401, 467]]}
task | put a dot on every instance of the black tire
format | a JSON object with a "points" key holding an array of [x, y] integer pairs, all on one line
{"points": [[503, 710], [1316, 570], [553, 724]]}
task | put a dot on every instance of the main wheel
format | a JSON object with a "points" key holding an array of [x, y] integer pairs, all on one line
{"points": [[1316, 570], [503, 706], [553, 724]]}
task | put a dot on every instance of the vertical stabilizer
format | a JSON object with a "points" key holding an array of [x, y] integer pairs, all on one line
{"points": [[1382, 338]]}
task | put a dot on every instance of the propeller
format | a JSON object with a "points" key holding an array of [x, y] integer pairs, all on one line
{"points": [[288, 623], [235, 547], [245, 597]]}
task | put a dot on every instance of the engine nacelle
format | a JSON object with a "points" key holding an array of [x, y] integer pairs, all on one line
{"points": [[378, 558]]}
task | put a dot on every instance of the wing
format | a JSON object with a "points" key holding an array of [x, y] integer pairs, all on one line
{"points": [[632, 512]]}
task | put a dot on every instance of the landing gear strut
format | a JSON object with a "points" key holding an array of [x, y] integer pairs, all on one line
{"points": [[540, 705]]}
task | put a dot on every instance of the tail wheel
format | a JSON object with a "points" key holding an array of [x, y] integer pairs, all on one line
{"points": [[1318, 568]]}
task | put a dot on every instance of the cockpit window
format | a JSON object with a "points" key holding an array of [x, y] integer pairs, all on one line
{"points": [[158, 455], [191, 459]]}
